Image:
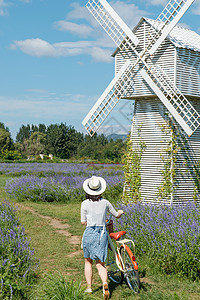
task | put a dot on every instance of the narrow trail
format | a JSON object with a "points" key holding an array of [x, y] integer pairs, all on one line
{"points": [[60, 228]]}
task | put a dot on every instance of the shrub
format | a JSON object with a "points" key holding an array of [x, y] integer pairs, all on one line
{"points": [[11, 155], [17, 263], [168, 235]]}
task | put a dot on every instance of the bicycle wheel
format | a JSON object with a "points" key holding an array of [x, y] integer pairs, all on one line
{"points": [[131, 274], [114, 273]]}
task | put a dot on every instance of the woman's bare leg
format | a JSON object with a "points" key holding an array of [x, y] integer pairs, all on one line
{"points": [[88, 272], [103, 274], [102, 271]]}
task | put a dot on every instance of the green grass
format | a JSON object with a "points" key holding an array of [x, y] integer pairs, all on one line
{"points": [[56, 255], [69, 213]]}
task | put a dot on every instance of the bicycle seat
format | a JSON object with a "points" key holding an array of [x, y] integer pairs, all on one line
{"points": [[117, 235]]}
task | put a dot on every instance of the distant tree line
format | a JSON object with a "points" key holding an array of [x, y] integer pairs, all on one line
{"points": [[60, 140]]}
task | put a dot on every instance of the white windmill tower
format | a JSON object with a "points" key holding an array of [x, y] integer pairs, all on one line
{"points": [[169, 164]]}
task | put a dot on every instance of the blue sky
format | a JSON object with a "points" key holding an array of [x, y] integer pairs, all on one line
{"points": [[56, 60]]}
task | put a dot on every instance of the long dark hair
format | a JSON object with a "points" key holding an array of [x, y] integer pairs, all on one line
{"points": [[93, 198]]}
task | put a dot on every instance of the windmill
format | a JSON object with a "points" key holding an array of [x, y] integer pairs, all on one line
{"points": [[139, 62]]}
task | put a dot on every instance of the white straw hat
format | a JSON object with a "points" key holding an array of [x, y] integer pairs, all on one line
{"points": [[94, 186]]}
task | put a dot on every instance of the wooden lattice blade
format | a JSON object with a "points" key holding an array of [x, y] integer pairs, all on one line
{"points": [[110, 97], [111, 22], [177, 104], [169, 17]]}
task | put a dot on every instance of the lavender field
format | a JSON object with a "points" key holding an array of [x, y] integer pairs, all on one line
{"points": [[168, 236], [56, 182], [17, 260]]}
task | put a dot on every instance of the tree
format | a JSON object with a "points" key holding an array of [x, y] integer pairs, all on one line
{"points": [[22, 147], [114, 150], [65, 142], [2, 125], [62, 140], [42, 128], [5, 140], [36, 143], [25, 131]]}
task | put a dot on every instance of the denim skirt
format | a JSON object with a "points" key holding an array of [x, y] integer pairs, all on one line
{"points": [[95, 243]]}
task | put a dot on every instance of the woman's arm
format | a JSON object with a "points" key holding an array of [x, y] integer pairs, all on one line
{"points": [[116, 214], [83, 214], [120, 213]]}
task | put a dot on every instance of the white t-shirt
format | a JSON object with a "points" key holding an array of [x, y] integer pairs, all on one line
{"points": [[94, 212]]}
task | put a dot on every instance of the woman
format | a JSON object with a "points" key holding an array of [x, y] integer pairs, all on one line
{"points": [[95, 239]]}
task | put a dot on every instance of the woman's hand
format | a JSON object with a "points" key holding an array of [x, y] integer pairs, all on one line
{"points": [[120, 213]]}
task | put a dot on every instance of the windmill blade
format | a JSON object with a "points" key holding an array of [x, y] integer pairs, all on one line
{"points": [[178, 105], [112, 24], [166, 21], [111, 96], [172, 98]]}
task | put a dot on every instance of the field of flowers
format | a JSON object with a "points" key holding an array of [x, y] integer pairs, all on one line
{"points": [[17, 260], [168, 236], [57, 182]]}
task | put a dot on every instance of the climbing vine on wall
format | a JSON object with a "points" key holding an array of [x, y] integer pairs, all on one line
{"points": [[178, 143], [169, 158], [197, 180], [192, 166], [132, 166]]}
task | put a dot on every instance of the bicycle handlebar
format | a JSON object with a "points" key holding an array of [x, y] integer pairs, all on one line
{"points": [[110, 217]]}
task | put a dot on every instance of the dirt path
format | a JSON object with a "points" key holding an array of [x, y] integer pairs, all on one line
{"points": [[59, 226]]}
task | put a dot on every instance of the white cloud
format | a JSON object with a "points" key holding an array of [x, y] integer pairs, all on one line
{"points": [[51, 108], [100, 47], [41, 48], [130, 13], [158, 2], [78, 12], [3, 6], [99, 54], [26, 1], [196, 9], [35, 47], [186, 26], [48, 108], [38, 91], [78, 29]]}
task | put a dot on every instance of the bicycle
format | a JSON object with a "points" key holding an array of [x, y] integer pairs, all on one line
{"points": [[121, 261]]}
